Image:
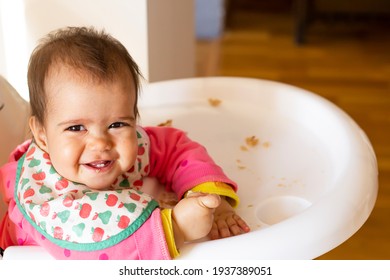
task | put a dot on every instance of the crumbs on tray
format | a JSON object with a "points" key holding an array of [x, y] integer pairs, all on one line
{"points": [[266, 144], [252, 141], [215, 102], [166, 123], [244, 148], [240, 165]]}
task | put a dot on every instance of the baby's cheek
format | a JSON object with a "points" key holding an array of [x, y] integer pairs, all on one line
{"points": [[127, 161], [67, 168]]}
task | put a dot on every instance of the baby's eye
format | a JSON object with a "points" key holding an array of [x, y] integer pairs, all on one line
{"points": [[76, 128], [118, 125]]}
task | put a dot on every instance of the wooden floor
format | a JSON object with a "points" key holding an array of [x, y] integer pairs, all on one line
{"points": [[345, 62]]}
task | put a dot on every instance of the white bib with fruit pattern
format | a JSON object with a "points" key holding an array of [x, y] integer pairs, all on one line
{"points": [[75, 217]]}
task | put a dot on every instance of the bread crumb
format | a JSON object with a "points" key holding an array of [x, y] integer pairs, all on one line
{"points": [[244, 148], [215, 102], [239, 165], [266, 144], [166, 123], [252, 141]]}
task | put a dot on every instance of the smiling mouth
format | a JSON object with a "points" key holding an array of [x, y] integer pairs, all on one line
{"points": [[99, 166]]}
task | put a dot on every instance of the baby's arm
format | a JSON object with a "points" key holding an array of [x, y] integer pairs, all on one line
{"points": [[180, 163]]}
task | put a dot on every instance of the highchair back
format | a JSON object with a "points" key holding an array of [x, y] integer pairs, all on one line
{"points": [[14, 112]]}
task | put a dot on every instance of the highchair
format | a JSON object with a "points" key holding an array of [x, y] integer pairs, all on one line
{"points": [[307, 174]]}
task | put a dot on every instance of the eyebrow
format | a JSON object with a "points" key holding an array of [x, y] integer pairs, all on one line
{"points": [[130, 119], [69, 122], [79, 121]]}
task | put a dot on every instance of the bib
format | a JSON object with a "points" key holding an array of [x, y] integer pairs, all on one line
{"points": [[75, 217]]}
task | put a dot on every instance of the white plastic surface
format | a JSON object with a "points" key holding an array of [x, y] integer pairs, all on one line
{"points": [[307, 186]]}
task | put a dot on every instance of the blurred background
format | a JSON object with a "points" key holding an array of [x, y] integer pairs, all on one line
{"points": [[337, 49]]}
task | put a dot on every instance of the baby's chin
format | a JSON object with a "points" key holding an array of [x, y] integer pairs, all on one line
{"points": [[98, 184]]}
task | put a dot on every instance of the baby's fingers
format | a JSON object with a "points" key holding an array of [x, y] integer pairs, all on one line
{"points": [[224, 227], [241, 224], [214, 232], [237, 225], [230, 226], [219, 229]]}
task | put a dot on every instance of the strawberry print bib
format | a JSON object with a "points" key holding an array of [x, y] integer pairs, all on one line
{"points": [[75, 217]]}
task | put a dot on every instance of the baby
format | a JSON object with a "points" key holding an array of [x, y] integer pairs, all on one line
{"points": [[76, 188]]}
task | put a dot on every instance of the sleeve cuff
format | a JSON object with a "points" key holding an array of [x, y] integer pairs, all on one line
{"points": [[166, 217], [220, 189]]}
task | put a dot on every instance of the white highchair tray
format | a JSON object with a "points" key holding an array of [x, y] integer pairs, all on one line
{"points": [[306, 172]]}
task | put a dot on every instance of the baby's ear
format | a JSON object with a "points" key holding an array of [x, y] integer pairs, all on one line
{"points": [[39, 133]]}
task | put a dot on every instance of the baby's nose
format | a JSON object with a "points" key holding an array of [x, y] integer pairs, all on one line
{"points": [[100, 144]]}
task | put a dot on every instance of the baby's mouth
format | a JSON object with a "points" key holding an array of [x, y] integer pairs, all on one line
{"points": [[100, 165]]}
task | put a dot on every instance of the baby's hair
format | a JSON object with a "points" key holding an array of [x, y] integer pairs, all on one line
{"points": [[84, 50]]}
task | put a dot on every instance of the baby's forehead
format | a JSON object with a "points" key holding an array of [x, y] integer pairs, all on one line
{"points": [[71, 85], [64, 72]]}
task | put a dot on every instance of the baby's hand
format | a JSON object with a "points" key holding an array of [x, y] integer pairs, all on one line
{"points": [[193, 216], [227, 222]]}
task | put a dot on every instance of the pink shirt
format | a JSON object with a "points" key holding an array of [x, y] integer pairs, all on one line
{"points": [[175, 160]]}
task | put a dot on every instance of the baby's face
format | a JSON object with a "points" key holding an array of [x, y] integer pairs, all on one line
{"points": [[90, 127]]}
